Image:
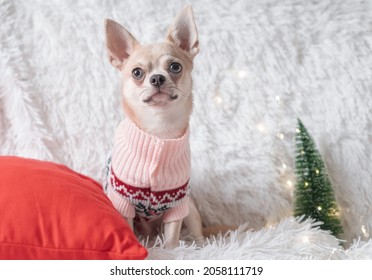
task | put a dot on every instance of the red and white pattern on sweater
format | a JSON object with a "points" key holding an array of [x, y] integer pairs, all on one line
{"points": [[148, 203]]}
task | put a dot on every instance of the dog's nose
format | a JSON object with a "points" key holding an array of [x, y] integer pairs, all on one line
{"points": [[157, 80]]}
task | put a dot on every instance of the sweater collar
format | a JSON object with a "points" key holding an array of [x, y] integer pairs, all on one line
{"points": [[134, 134]]}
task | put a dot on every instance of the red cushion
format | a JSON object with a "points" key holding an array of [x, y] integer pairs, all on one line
{"points": [[48, 211]]}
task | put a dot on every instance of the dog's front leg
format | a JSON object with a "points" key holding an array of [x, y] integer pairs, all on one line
{"points": [[130, 223], [172, 234]]}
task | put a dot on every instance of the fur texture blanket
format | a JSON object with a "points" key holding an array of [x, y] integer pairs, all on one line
{"points": [[262, 65]]}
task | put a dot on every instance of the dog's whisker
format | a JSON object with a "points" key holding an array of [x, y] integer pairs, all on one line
{"points": [[182, 93]]}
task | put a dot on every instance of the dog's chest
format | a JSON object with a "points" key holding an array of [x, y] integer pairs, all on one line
{"points": [[151, 173]]}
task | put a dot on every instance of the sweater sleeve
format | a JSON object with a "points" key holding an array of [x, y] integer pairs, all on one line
{"points": [[125, 208], [178, 212]]}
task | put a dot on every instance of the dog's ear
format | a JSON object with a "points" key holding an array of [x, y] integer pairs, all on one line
{"points": [[119, 42], [183, 32]]}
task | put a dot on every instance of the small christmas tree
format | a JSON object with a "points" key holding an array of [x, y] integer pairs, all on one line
{"points": [[314, 195]]}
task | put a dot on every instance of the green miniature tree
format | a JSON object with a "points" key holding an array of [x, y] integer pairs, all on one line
{"points": [[314, 197]]}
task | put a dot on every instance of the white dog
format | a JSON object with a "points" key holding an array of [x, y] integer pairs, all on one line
{"points": [[150, 166]]}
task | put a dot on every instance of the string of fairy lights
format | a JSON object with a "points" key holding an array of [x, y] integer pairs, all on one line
{"points": [[288, 175]]}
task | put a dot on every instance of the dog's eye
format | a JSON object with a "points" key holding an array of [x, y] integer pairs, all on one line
{"points": [[175, 67], [137, 73]]}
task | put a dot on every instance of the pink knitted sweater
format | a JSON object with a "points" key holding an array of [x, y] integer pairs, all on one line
{"points": [[149, 176]]}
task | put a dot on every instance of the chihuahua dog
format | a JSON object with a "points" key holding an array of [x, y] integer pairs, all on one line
{"points": [[149, 171]]}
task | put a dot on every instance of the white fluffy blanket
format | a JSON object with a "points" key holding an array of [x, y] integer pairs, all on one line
{"points": [[262, 65]]}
